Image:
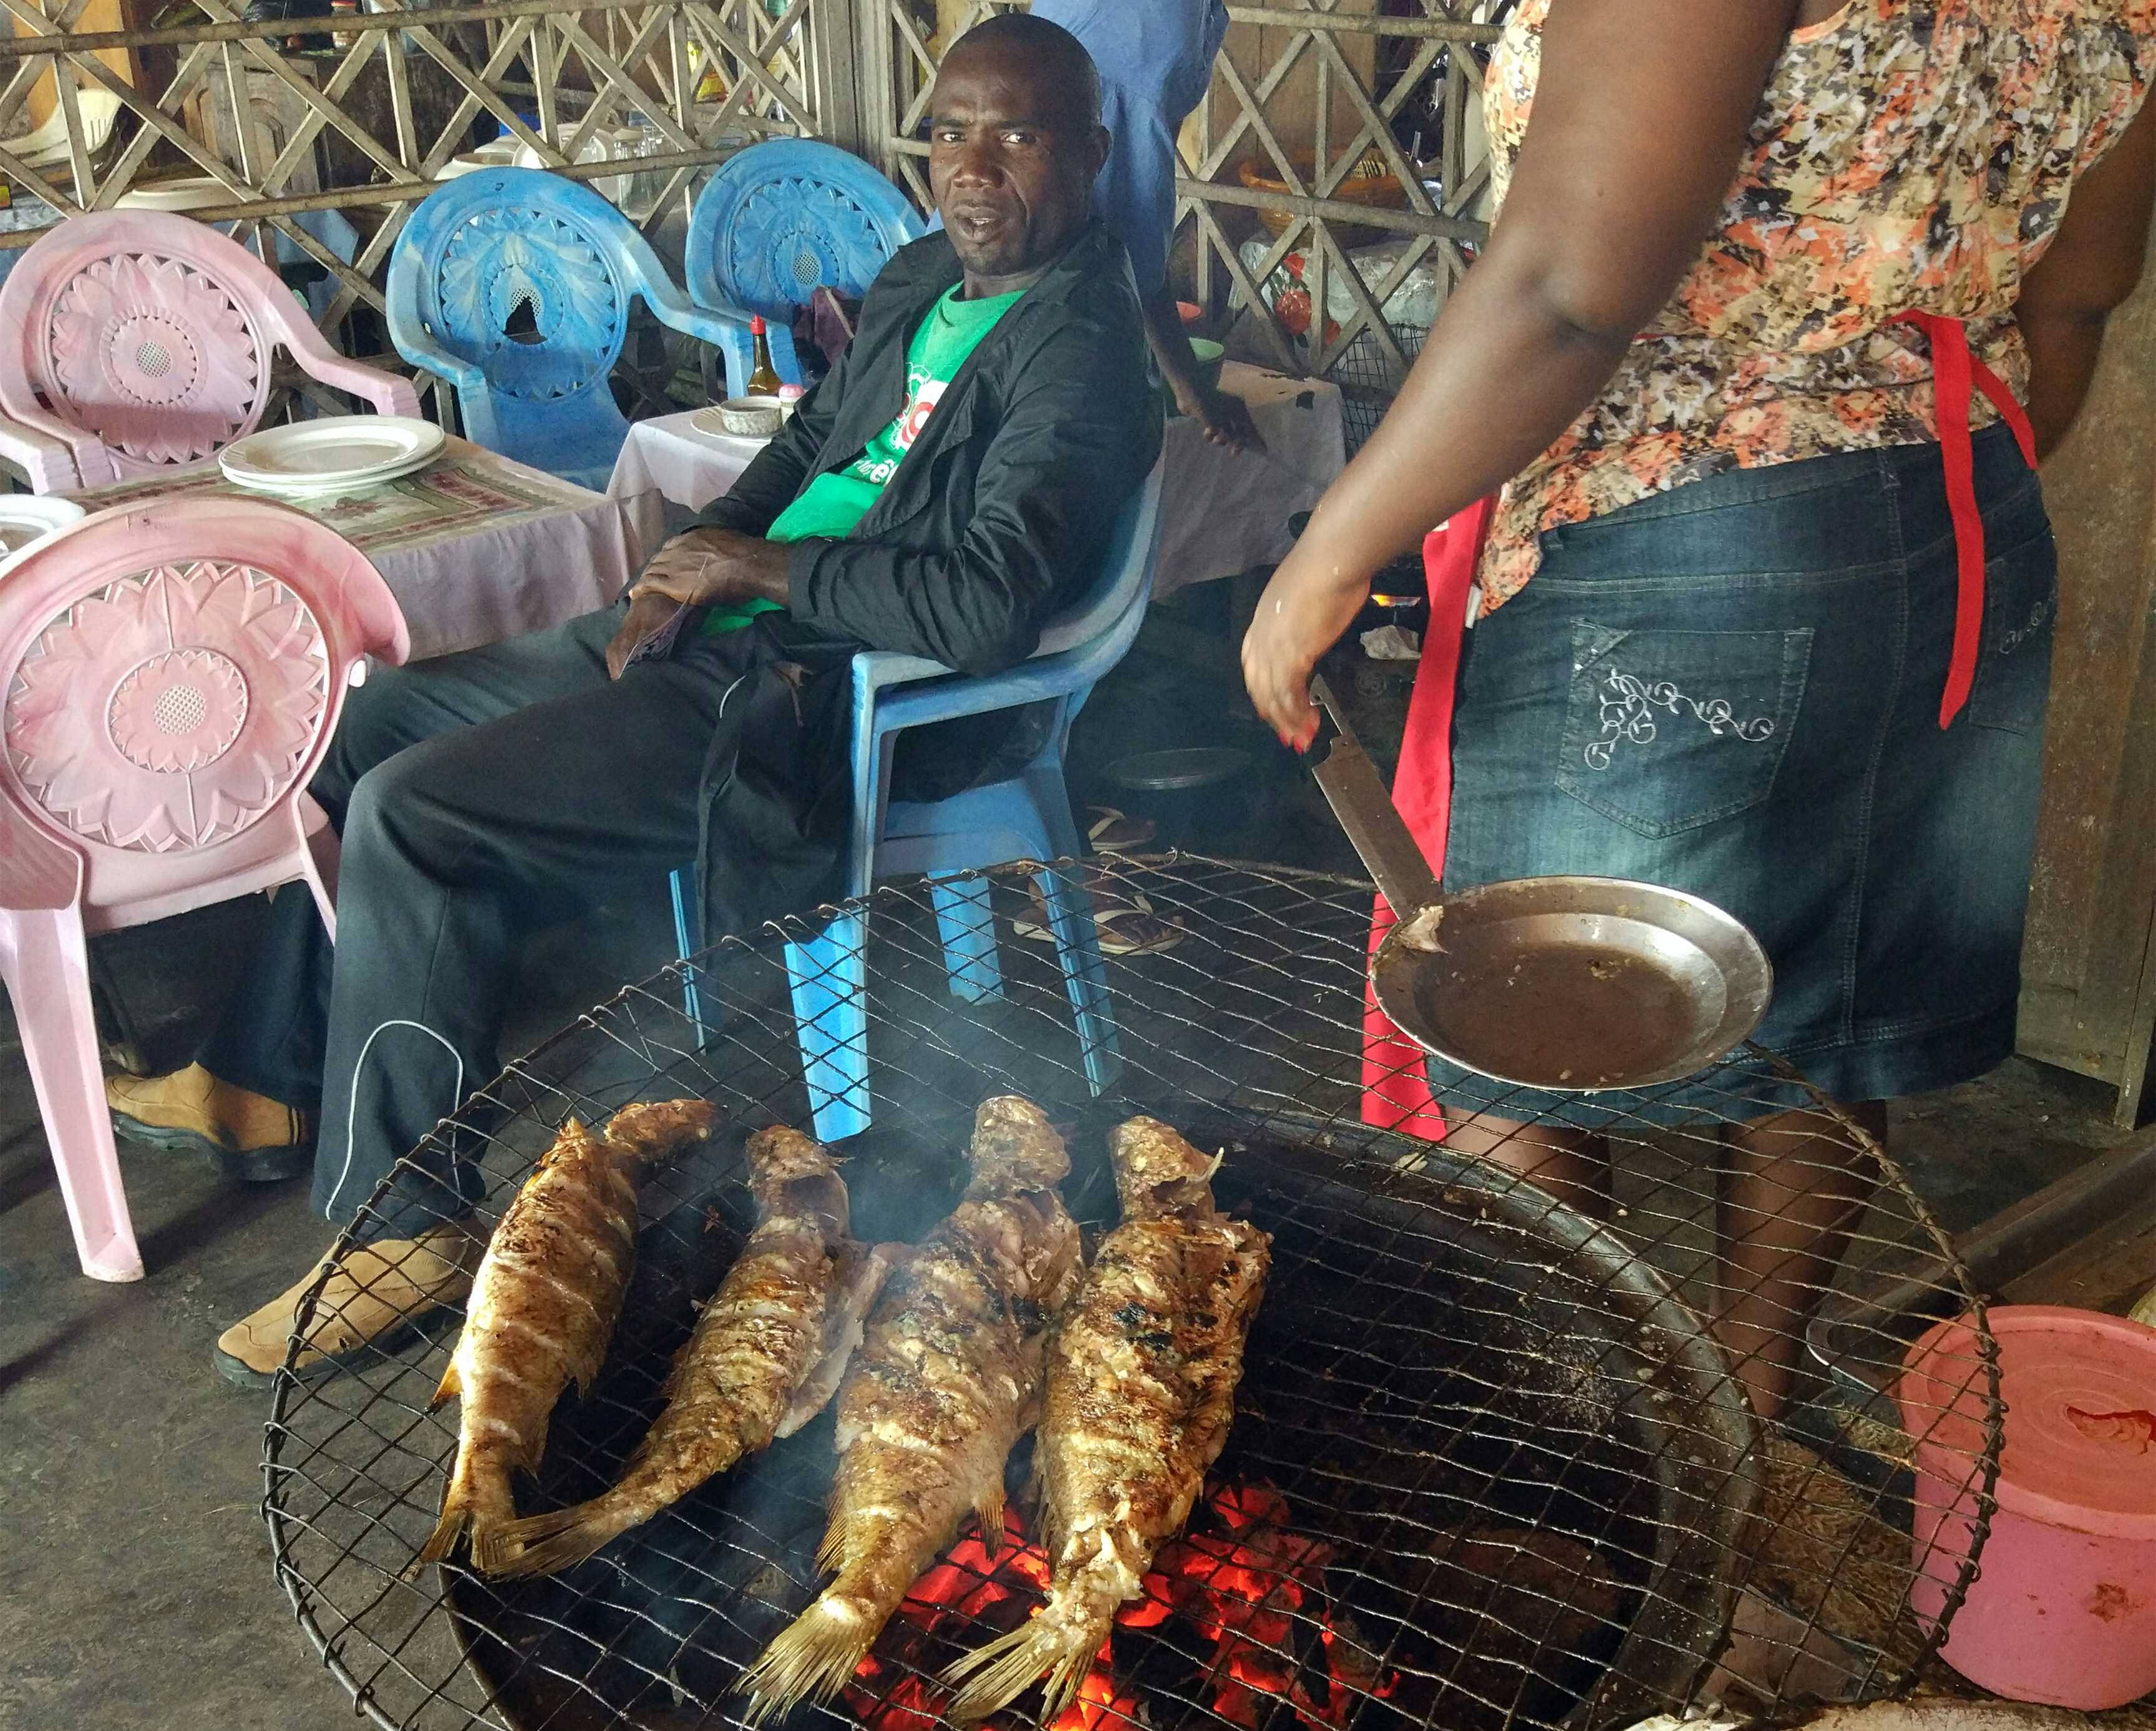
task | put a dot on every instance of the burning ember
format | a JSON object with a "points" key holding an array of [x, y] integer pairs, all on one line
{"points": [[1239, 1587]]}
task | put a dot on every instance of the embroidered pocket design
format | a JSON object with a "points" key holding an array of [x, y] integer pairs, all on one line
{"points": [[1629, 704], [1668, 731], [2020, 617]]}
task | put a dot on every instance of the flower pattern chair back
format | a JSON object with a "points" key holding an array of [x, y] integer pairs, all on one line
{"points": [[137, 342], [783, 219], [170, 675], [515, 285]]}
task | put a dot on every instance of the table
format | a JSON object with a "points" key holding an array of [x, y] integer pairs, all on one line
{"points": [[1223, 513], [475, 547]]}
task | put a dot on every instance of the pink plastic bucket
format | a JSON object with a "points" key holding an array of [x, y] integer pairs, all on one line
{"points": [[2063, 1608]]}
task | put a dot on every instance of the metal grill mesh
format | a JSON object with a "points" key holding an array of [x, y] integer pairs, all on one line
{"points": [[1540, 1497]]}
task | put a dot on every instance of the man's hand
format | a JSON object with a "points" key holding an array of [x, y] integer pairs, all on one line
{"points": [[701, 567], [710, 568], [1224, 416], [647, 615]]}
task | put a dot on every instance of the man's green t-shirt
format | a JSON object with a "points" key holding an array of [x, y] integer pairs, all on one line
{"points": [[831, 507]]}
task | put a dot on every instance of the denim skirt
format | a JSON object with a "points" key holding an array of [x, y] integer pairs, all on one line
{"points": [[1733, 688]]}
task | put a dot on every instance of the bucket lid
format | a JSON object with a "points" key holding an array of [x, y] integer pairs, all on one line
{"points": [[2079, 1392]]}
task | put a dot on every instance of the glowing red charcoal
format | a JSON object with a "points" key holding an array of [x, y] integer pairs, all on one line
{"points": [[1099, 1706], [892, 1690], [1244, 1586]]}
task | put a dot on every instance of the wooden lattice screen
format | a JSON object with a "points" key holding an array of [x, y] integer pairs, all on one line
{"points": [[358, 113], [353, 118], [1316, 97]]}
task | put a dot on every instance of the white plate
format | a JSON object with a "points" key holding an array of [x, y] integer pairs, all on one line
{"points": [[28, 518], [707, 421], [335, 484], [195, 193], [331, 454], [498, 153]]}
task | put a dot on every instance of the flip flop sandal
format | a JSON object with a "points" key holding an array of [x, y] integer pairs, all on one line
{"points": [[1143, 934], [1112, 833]]}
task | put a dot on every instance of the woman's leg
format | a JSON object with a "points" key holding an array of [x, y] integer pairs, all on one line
{"points": [[1573, 1165], [1792, 1188]]}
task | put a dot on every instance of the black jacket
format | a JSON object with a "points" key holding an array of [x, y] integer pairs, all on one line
{"points": [[996, 520], [1002, 510]]}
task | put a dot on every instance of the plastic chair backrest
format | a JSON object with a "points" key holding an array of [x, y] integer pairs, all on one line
{"points": [[788, 217], [1092, 633], [45, 146], [893, 692], [142, 341], [1117, 600], [515, 284], [172, 671]]}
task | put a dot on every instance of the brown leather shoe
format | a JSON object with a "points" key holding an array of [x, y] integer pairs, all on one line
{"points": [[251, 1136], [375, 1294]]}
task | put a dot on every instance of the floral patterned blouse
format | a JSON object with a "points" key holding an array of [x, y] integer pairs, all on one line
{"points": [[1907, 154]]}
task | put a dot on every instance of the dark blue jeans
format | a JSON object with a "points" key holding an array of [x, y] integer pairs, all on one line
{"points": [[1733, 688]]}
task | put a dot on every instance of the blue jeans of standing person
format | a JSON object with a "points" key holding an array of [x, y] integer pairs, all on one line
{"points": [[1733, 688]]}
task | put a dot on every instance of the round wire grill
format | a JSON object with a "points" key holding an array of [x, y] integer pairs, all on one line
{"points": [[1490, 1466]]}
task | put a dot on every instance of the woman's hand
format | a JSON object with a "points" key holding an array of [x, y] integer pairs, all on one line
{"points": [[1643, 109], [1311, 601]]}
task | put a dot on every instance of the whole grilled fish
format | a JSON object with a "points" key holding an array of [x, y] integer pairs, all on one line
{"points": [[765, 1358], [543, 1305], [1142, 1366], [946, 1381]]}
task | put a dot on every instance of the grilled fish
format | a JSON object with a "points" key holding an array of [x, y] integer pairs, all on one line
{"points": [[1140, 1390], [543, 1305], [765, 1358], [946, 1381]]}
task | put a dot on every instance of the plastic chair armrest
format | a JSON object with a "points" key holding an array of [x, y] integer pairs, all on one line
{"points": [[724, 328], [716, 326], [37, 872], [49, 464], [1034, 681], [881, 670], [388, 394], [422, 350]]}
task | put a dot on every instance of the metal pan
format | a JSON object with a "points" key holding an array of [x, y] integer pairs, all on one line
{"points": [[1566, 983]]}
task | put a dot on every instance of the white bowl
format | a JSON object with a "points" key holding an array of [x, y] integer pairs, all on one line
{"points": [[752, 416]]}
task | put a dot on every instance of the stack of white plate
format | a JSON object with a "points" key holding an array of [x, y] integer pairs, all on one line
{"points": [[28, 518], [497, 153], [338, 453], [196, 193]]}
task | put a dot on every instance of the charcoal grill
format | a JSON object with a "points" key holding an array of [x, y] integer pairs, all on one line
{"points": [[1521, 1485]]}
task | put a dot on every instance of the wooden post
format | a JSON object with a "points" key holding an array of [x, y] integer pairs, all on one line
{"points": [[2088, 996]]}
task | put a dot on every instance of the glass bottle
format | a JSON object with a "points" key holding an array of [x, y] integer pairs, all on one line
{"points": [[762, 376]]}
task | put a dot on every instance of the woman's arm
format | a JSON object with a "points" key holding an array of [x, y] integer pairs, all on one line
{"points": [[1639, 118], [2093, 265]]}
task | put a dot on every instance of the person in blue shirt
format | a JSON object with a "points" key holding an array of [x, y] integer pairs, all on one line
{"points": [[1155, 60]]}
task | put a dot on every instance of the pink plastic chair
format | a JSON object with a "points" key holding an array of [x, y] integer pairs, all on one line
{"points": [[171, 673], [134, 343]]}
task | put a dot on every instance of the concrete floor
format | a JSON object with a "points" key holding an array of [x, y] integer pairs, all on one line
{"points": [[135, 1588]]}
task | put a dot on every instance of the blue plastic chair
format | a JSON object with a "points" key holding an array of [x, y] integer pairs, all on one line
{"points": [[515, 285], [1027, 817], [781, 220]]}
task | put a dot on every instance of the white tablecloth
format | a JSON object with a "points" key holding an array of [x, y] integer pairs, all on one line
{"points": [[475, 547], [1224, 513]]}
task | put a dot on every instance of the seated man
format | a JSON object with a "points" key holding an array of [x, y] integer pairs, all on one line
{"points": [[949, 488]]}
